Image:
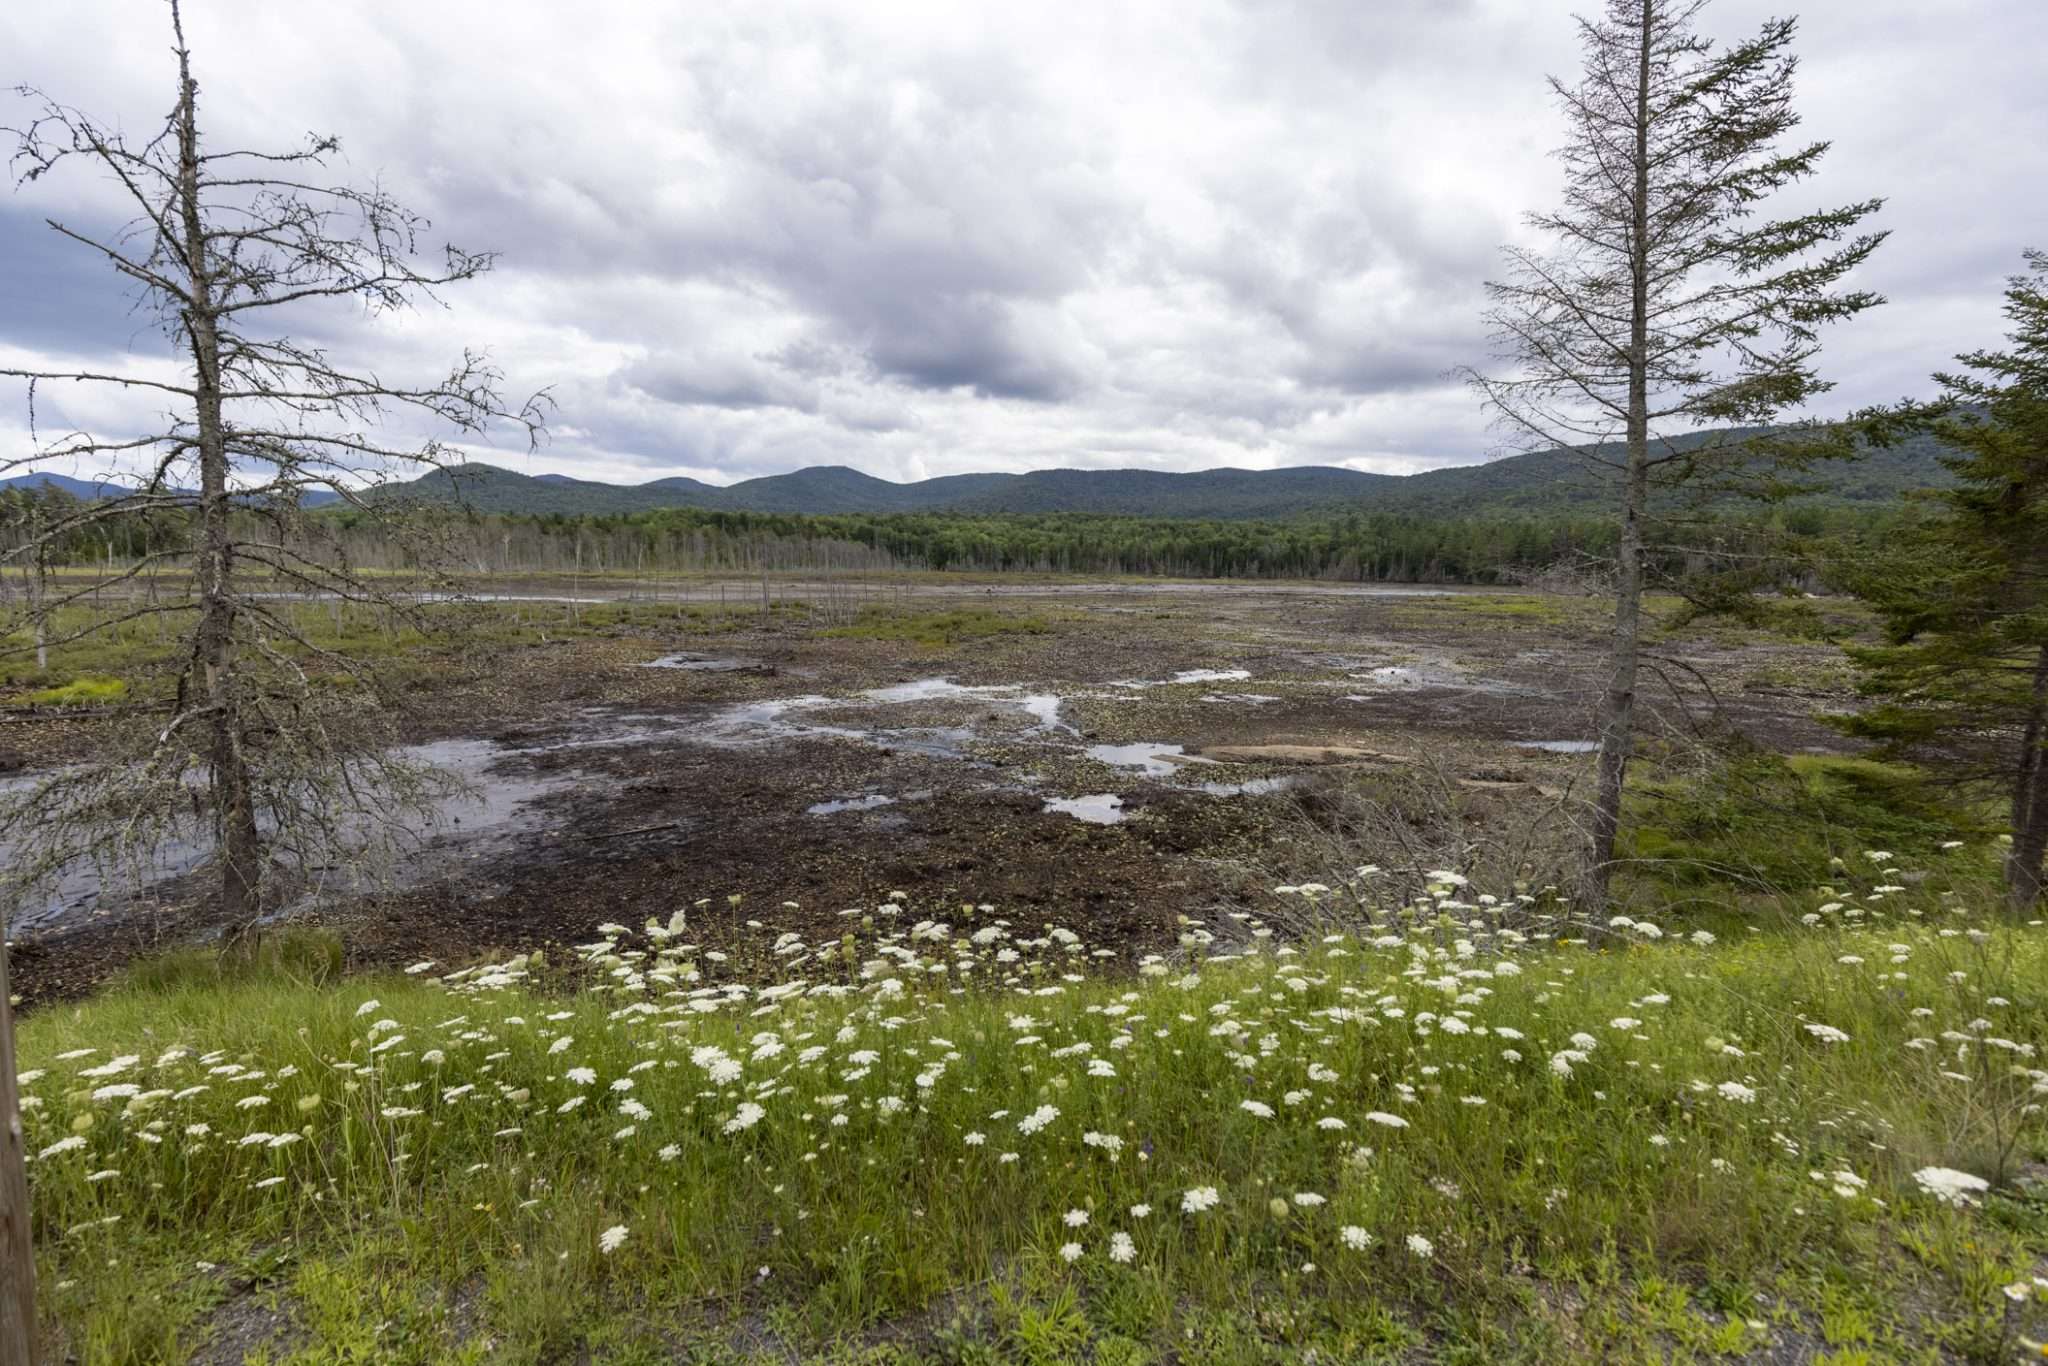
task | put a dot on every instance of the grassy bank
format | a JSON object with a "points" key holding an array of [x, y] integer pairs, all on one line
{"points": [[1471, 1131]]}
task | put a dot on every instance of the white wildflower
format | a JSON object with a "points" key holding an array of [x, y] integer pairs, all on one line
{"points": [[1950, 1186]]}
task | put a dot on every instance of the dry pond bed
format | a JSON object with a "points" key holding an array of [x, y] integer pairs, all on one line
{"points": [[1130, 753]]}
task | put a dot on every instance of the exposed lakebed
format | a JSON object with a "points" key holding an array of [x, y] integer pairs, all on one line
{"points": [[1004, 738], [1136, 755]]}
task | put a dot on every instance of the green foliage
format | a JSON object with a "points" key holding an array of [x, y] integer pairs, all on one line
{"points": [[1455, 540], [1963, 594], [1756, 824], [1488, 523]]}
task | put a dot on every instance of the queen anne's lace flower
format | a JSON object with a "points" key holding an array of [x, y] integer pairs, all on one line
{"points": [[1950, 1186]]}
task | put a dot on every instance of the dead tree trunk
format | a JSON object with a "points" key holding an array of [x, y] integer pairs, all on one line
{"points": [[241, 847], [35, 607], [17, 1249]]}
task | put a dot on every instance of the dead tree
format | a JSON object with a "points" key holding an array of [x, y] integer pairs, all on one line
{"points": [[17, 1247], [279, 766], [1665, 311]]}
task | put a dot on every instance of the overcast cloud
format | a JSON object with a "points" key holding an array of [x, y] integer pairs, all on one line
{"points": [[928, 239]]}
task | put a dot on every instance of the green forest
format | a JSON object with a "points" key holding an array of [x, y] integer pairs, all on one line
{"points": [[1365, 546]]}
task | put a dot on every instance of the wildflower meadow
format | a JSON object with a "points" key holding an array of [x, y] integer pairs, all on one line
{"points": [[1461, 1125]]}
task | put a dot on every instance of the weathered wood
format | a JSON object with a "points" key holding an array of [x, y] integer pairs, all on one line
{"points": [[17, 1247]]}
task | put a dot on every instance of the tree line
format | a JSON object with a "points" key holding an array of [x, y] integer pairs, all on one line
{"points": [[1372, 547]]}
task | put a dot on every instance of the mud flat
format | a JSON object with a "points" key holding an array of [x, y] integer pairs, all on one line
{"points": [[1133, 756]]}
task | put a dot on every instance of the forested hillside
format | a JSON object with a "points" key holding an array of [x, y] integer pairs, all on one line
{"points": [[1540, 482], [1386, 547], [1422, 541]]}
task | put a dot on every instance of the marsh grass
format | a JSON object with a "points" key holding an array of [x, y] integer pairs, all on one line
{"points": [[1497, 611], [139, 662], [937, 629], [1474, 1129]]}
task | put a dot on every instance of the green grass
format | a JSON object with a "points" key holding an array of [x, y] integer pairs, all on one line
{"points": [[937, 629], [821, 1169]]}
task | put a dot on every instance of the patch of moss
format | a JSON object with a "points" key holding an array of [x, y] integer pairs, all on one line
{"points": [[1515, 606], [937, 629], [90, 691]]}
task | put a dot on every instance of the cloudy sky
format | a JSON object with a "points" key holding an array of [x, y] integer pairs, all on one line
{"points": [[925, 239]]}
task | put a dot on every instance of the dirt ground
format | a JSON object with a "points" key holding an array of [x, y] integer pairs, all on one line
{"points": [[809, 773]]}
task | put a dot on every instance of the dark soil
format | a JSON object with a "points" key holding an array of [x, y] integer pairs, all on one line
{"points": [[650, 818]]}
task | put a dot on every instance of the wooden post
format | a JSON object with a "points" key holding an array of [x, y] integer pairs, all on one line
{"points": [[17, 1250]]}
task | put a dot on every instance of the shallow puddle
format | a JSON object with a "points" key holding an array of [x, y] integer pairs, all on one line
{"points": [[1411, 676], [1099, 808], [1045, 709], [1150, 758], [833, 808], [1559, 746], [497, 802], [1042, 708], [1415, 677], [1187, 676], [699, 663], [479, 802], [1251, 787]]}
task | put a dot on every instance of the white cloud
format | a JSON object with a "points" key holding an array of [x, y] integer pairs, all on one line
{"points": [[925, 239]]}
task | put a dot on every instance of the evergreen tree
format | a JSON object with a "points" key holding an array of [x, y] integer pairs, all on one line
{"points": [[1665, 305], [1963, 676]]}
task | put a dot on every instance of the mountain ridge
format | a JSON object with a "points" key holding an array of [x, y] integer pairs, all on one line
{"points": [[1531, 483]]}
